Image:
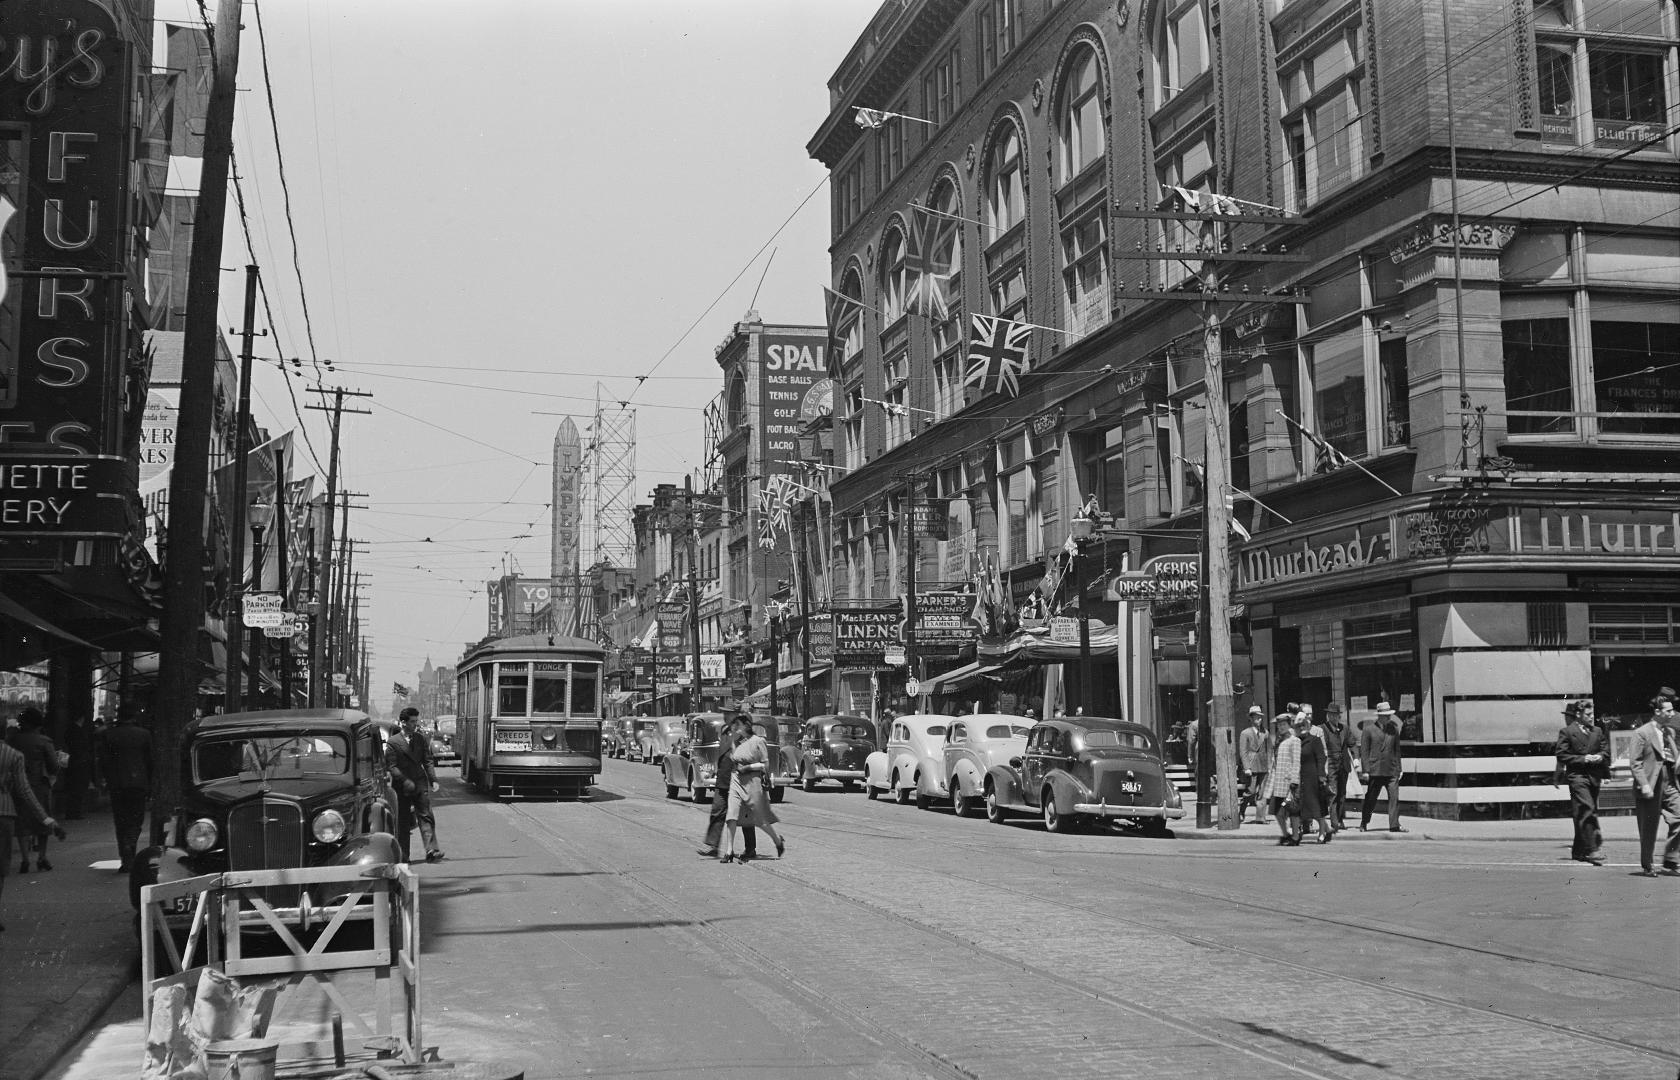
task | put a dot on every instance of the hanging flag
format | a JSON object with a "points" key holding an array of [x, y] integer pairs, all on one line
{"points": [[871, 118], [997, 354], [400, 690], [928, 255], [1327, 458], [1230, 500], [838, 308]]}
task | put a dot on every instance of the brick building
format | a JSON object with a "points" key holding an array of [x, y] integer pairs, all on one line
{"points": [[1486, 216]]}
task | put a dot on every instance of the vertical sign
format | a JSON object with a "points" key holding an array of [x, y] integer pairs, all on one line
{"points": [[789, 367]]}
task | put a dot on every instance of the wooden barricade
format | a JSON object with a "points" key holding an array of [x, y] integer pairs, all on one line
{"points": [[230, 916]]}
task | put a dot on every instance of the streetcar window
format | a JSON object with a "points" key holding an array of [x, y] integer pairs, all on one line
{"points": [[513, 691], [548, 688], [583, 692]]}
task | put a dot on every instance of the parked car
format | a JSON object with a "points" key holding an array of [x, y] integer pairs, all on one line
{"points": [[834, 747], [661, 736], [639, 736], [973, 745], [1077, 769], [912, 763], [273, 790], [691, 762], [612, 737], [781, 733], [442, 739]]}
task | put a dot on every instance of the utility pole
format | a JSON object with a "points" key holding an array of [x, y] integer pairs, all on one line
{"points": [[241, 501], [317, 633], [1214, 219], [182, 620], [283, 541], [693, 526], [910, 656], [802, 582]]}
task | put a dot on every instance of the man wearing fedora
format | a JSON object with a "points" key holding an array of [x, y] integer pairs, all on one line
{"points": [[1379, 765], [1254, 749], [1583, 760]]}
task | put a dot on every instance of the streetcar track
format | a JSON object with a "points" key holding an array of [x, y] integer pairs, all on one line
{"points": [[1205, 942], [858, 1019]]}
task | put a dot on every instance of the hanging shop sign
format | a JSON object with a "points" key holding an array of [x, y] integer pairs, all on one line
{"points": [[61, 496], [861, 636], [946, 623], [820, 637], [789, 368], [672, 615], [1163, 578], [930, 519]]}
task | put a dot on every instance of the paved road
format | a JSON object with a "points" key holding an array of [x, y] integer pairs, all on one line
{"points": [[588, 939]]}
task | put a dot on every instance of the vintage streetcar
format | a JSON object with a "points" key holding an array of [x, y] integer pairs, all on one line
{"points": [[530, 715]]}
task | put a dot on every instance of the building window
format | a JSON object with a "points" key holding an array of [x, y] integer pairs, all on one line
{"points": [[1621, 51], [1082, 201], [1085, 271], [1548, 623], [942, 88], [1337, 367], [1005, 194], [1020, 510], [1396, 391], [998, 27], [1380, 654], [948, 373], [892, 278], [1632, 624], [1186, 161], [848, 195], [1181, 47], [889, 149], [1103, 472], [1080, 127], [1237, 432], [852, 426], [945, 260], [897, 397], [1323, 124]]}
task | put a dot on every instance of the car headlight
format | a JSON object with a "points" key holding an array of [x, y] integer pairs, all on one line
{"points": [[201, 835], [328, 826]]}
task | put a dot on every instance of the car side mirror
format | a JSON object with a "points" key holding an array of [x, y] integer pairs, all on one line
{"points": [[1014, 763]]}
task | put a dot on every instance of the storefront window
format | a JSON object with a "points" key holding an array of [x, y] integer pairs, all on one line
{"points": [[1537, 376], [1636, 369], [1381, 665]]}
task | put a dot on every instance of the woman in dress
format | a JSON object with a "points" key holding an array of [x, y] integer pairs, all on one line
{"points": [[748, 803], [1284, 781], [1314, 778]]}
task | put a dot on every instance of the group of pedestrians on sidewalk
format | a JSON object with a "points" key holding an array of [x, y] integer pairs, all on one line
{"points": [[1584, 755], [1298, 771]]}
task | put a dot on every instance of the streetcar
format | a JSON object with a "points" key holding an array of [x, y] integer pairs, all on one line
{"points": [[530, 715]]}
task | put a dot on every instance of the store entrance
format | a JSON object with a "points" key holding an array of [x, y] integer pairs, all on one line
{"points": [[1623, 685]]}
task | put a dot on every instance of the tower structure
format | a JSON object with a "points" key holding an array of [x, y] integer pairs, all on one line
{"points": [[611, 474]]}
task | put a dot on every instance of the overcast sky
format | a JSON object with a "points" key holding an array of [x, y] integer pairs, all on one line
{"points": [[499, 207]]}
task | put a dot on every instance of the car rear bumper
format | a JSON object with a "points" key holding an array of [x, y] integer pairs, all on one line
{"points": [[1136, 812], [823, 772]]}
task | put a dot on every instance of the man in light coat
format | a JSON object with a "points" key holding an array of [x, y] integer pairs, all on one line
{"points": [[1254, 747], [1379, 765], [1656, 796]]}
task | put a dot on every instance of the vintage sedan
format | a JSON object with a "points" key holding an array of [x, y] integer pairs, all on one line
{"points": [[442, 740], [781, 734], [912, 764], [834, 747], [637, 737], [273, 790], [691, 761], [973, 745], [1079, 769], [665, 732]]}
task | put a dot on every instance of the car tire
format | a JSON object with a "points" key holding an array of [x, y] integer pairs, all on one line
{"points": [[959, 801], [901, 795], [923, 801], [871, 790], [807, 781], [702, 795], [776, 794], [670, 791], [995, 813], [1054, 820], [1158, 829]]}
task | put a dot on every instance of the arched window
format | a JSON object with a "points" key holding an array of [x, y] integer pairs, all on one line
{"points": [[849, 371], [1181, 52], [892, 277], [947, 334], [1080, 128], [1005, 195], [737, 411], [1005, 209]]}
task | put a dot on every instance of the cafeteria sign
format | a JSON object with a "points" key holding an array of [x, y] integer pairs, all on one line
{"points": [[58, 495]]}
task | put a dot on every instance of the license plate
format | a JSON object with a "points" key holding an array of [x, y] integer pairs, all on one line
{"points": [[513, 740], [181, 905], [1131, 787]]}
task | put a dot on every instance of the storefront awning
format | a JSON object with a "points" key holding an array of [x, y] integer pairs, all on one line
{"points": [[762, 695], [1035, 647], [959, 679], [11, 609]]}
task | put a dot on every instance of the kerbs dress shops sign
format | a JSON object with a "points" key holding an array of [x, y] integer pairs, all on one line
{"points": [[64, 172]]}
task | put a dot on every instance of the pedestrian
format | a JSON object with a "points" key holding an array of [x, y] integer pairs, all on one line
{"points": [[1380, 766], [1656, 797], [1339, 746], [1583, 761], [748, 804], [1254, 749], [78, 773], [40, 767], [720, 800], [1314, 777], [410, 756], [127, 761], [100, 729], [17, 792], [1284, 781]]}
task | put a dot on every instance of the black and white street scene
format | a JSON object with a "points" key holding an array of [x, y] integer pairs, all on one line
{"points": [[834, 539]]}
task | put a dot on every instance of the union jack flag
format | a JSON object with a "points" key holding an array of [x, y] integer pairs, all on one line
{"points": [[997, 354], [929, 251], [1327, 457]]}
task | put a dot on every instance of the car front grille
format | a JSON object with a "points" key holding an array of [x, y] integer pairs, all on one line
{"points": [[267, 834]]}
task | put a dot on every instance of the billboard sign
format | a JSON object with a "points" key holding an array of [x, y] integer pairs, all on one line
{"points": [[788, 368], [58, 495], [945, 623], [861, 636]]}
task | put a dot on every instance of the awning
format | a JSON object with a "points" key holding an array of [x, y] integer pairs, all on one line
{"points": [[959, 679], [11, 609], [1035, 647], [788, 682]]}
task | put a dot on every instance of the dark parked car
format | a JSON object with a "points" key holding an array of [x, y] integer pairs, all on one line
{"points": [[1077, 769], [781, 734], [275, 790], [835, 747], [691, 761]]}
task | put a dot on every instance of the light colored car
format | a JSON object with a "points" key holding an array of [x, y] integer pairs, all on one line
{"points": [[975, 743], [662, 736], [912, 765]]}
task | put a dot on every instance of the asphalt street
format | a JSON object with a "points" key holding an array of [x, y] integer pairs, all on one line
{"points": [[588, 939]]}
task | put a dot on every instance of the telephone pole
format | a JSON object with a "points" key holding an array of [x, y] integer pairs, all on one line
{"points": [[317, 639], [692, 525], [182, 620], [241, 500]]}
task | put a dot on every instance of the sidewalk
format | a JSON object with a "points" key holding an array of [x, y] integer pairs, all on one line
{"points": [[1556, 830], [68, 949]]}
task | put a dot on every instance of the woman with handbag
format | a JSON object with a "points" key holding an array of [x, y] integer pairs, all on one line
{"points": [[1285, 781], [748, 803], [1315, 783]]}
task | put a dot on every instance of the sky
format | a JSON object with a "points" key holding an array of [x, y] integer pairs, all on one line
{"points": [[501, 211]]}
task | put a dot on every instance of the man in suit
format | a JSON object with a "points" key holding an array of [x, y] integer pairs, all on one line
{"points": [[720, 807], [1583, 759], [1379, 765], [1254, 749], [1656, 795], [1339, 745], [409, 756], [128, 773]]}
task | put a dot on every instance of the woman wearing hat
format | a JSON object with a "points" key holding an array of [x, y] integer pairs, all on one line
{"points": [[748, 803]]}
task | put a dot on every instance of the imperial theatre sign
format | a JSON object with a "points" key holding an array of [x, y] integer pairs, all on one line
{"points": [[65, 107]]}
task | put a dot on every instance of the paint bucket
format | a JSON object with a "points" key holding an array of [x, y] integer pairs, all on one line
{"points": [[241, 1059]]}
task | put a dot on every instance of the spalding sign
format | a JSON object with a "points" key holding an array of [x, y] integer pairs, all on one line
{"points": [[787, 356]]}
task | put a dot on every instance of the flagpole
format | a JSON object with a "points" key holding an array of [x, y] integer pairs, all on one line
{"points": [[1318, 440]]}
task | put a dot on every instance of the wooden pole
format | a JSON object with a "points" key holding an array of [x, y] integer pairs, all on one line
{"points": [[1216, 558], [241, 497]]}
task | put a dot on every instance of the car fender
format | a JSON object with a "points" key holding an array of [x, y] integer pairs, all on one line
{"points": [[1006, 783], [368, 849], [1066, 790], [905, 765], [965, 777], [930, 778], [153, 866], [875, 769]]}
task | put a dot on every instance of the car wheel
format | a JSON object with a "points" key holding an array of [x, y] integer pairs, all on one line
{"points": [[959, 803], [923, 801], [807, 781], [1157, 828], [1054, 820], [776, 794], [848, 785], [702, 795], [994, 813], [670, 791], [901, 795], [871, 790]]}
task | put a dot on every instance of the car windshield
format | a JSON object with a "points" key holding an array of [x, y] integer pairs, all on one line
{"points": [[254, 757], [848, 731], [1107, 738], [1006, 731]]}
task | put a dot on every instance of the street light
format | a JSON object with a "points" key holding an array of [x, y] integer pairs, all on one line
{"points": [[259, 514], [1084, 527]]}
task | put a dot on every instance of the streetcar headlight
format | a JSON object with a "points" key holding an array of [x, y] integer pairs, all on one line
{"points": [[328, 826], [201, 835], [550, 735]]}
